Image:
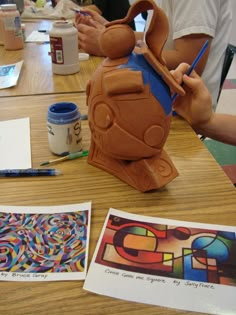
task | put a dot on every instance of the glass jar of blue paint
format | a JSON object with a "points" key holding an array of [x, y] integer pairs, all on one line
{"points": [[64, 128]]}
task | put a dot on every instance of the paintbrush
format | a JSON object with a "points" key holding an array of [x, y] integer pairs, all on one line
{"points": [[70, 156], [193, 65]]}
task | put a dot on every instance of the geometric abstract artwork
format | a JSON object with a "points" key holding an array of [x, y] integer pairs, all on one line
{"points": [[170, 251], [176, 264], [46, 243]]}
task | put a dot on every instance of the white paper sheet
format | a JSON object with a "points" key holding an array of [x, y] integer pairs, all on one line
{"points": [[15, 144], [44, 243], [183, 265], [9, 74], [38, 37]]}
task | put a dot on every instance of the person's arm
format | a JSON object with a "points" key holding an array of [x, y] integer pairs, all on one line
{"points": [[191, 24], [196, 108], [221, 127], [93, 8], [185, 50], [101, 5]]}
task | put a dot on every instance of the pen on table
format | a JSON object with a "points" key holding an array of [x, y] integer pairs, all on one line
{"points": [[29, 172], [193, 65], [70, 156]]}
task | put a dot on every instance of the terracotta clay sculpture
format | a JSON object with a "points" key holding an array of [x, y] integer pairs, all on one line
{"points": [[129, 103]]}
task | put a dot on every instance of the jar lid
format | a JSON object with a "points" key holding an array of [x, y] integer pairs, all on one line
{"points": [[62, 113], [9, 6], [62, 24], [83, 56]]}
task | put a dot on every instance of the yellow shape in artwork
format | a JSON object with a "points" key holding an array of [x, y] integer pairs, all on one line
{"points": [[168, 259]]}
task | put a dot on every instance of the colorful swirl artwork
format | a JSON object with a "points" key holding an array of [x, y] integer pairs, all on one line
{"points": [[170, 251], [43, 243]]}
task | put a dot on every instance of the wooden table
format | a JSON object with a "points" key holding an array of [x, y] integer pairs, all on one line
{"points": [[36, 74], [201, 193]]}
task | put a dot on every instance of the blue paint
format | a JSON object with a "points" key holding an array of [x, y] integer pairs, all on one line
{"points": [[191, 273], [63, 113], [214, 248], [158, 87], [228, 235]]}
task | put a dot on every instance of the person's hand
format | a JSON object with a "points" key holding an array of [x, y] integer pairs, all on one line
{"points": [[88, 37], [89, 27], [196, 105], [87, 15]]}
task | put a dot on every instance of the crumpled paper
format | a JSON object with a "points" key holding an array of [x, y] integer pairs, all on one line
{"points": [[63, 9]]}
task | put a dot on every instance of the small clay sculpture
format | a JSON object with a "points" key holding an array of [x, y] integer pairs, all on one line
{"points": [[129, 103]]}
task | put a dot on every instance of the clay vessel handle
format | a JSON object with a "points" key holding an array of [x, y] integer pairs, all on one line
{"points": [[158, 30]]}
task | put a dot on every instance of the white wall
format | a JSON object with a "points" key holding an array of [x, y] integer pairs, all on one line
{"points": [[233, 31]]}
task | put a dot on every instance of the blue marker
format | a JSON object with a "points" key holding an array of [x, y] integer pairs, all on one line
{"points": [[193, 65], [29, 172]]}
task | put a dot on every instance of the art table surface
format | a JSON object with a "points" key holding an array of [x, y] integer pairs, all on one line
{"points": [[36, 74], [201, 193]]}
